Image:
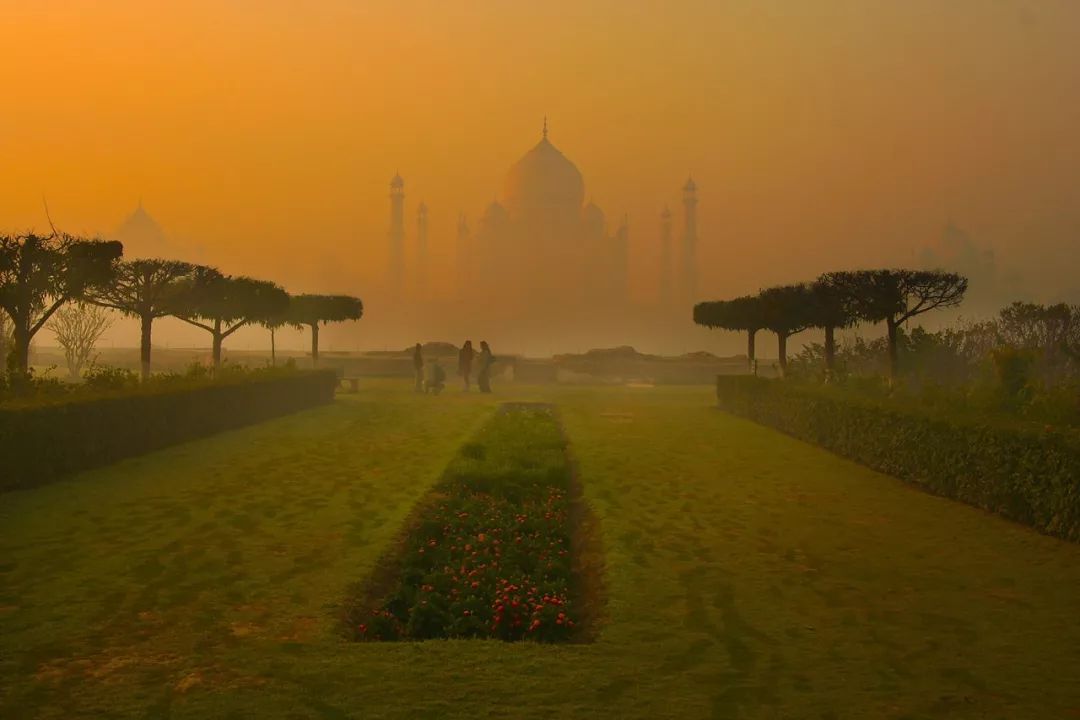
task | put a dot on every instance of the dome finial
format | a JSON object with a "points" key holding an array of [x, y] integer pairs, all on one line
{"points": [[545, 127]]}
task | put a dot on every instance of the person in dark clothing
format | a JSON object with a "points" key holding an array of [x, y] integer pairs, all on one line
{"points": [[483, 378], [418, 367], [436, 377], [465, 361]]}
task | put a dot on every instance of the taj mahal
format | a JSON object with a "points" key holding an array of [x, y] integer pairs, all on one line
{"points": [[544, 259]]}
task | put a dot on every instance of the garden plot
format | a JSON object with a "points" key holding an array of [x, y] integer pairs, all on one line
{"points": [[489, 552]]}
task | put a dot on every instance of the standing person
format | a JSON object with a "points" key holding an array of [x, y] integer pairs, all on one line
{"points": [[465, 358], [418, 367], [483, 379]]}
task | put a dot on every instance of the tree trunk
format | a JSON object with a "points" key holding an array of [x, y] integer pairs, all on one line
{"points": [[830, 351], [781, 341], [144, 345], [217, 345], [21, 353], [894, 357], [750, 334], [273, 349], [315, 345]]}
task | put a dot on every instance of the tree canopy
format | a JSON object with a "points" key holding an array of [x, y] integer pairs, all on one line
{"points": [[314, 310], [149, 289], [740, 314], [40, 273], [222, 304], [895, 296]]}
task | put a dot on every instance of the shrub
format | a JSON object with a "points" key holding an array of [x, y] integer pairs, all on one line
{"points": [[103, 377], [1024, 472], [45, 440]]}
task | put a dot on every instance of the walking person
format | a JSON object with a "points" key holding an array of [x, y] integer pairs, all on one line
{"points": [[483, 378], [418, 367], [465, 361]]}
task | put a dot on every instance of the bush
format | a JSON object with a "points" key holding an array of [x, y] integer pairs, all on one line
{"points": [[488, 555], [1027, 473], [103, 377], [67, 434]]}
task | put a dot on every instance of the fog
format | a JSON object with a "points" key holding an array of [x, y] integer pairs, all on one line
{"points": [[262, 138]]}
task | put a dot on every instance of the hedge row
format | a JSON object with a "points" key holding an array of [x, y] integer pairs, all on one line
{"points": [[1024, 473], [487, 555], [42, 442]]}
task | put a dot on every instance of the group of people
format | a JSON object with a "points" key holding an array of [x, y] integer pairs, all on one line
{"points": [[431, 378]]}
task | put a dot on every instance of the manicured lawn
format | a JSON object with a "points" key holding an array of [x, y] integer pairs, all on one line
{"points": [[748, 575]]}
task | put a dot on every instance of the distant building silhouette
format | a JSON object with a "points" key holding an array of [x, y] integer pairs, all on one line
{"points": [[666, 270], [463, 249], [421, 270], [396, 268], [142, 236], [688, 276], [543, 240], [541, 262]]}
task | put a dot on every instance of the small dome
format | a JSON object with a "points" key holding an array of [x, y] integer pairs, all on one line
{"points": [[542, 181], [495, 209], [593, 220], [666, 214], [690, 185], [494, 215], [397, 182]]}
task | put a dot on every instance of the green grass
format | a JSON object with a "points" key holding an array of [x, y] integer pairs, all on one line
{"points": [[748, 575]]}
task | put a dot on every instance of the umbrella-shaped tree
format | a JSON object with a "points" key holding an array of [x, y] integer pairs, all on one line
{"points": [[787, 310], [830, 310], [221, 305], [40, 273], [740, 314], [896, 296], [147, 290], [311, 311]]}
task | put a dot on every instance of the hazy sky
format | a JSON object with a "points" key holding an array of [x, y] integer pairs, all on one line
{"points": [[822, 133]]}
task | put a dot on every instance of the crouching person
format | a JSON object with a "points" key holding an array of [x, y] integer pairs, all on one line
{"points": [[434, 378]]}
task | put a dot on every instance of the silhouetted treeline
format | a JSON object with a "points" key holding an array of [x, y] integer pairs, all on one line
{"points": [[40, 274]]}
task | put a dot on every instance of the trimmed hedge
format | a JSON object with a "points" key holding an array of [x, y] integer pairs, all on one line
{"points": [[39, 443], [1021, 472]]}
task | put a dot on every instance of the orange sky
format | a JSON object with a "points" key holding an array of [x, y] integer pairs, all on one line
{"points": [[822, 134]]}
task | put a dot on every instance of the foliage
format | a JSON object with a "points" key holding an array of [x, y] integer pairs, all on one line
{"points": [[745, 313], [101, 378], [894, 297], [40, 273], [147, 290], [1028, 474], [6, 341], [1051, 332], [221, 305], [78, 326], [45, 440], [311, 311], [489, 554]]}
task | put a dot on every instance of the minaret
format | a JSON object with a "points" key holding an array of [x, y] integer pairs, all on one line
{"points": [[620, 266], [689, 243], [665, 259], [464, 270], [422, 251], [397, 234]]}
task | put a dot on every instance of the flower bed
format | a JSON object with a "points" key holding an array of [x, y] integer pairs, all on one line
{"points": [[487, 554]]}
